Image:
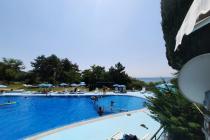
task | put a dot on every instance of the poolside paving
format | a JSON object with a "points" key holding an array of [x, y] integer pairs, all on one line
{"points": [[105, 127]]}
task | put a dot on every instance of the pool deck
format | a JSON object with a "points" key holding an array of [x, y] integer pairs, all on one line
{"points": [[104, 128]]}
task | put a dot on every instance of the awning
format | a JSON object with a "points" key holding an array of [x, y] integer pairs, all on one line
{"points": [[197, 8]]}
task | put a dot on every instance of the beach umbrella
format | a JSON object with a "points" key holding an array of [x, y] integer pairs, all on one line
{"points": [[122, 86], [43, 85], [64, 84], [115, 85], [169, 84], [3, 86], [160, 86], [165, 86], [82, 84], [74, 85], [26, 85]]}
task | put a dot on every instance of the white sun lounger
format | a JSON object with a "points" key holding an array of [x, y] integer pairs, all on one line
{"points": [[146, 137], [117, 136]]}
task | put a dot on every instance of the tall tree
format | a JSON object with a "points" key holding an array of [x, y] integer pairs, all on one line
{"points": [[11, 69], [118, 75], [94, 74], [15, 64], [53, 70], [70, 72], [48, 69]]}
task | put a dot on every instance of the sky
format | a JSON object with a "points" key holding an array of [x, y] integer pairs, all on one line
{"points": [[101, 32]]}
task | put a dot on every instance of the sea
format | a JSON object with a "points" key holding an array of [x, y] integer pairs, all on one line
{"points": [[155, 79]]}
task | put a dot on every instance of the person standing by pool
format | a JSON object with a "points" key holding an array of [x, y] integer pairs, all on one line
{"points": [[75, 90], [104, 90]]}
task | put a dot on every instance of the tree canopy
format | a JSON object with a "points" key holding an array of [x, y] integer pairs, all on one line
{"points": [[10, 70], [118, 75], [98, 74], [54, 70]]}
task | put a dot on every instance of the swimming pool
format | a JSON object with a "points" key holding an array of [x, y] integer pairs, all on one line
{"points": [[33, 115]]}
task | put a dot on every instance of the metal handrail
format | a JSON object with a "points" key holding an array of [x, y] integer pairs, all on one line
{"points": [[154, 137]]}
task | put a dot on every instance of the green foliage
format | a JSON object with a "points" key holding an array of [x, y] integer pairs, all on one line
{"points": [[31, 78], [13, 64], [70, 72], [10, 70], [118, 75], [136, 84], [179, 116], [97, 74], [94, 74], [53, 70]]}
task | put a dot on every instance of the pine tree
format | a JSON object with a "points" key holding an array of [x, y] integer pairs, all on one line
{"points": [[179, 117]]}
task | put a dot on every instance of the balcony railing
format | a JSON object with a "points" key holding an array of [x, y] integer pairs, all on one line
{"points": [[159, 134]]}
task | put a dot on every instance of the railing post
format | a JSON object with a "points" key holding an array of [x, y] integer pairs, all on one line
{"points": [[154, 137]]}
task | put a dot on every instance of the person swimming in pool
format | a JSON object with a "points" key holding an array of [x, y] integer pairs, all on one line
{"points": [[94, 98], [100, 111], [111, 104]]}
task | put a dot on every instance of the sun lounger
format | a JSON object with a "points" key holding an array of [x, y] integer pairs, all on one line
{"points": [[145, 137], [117, 136]]}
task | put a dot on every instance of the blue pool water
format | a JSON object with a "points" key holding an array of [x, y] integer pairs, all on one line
{"points": [[33, 115]]}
